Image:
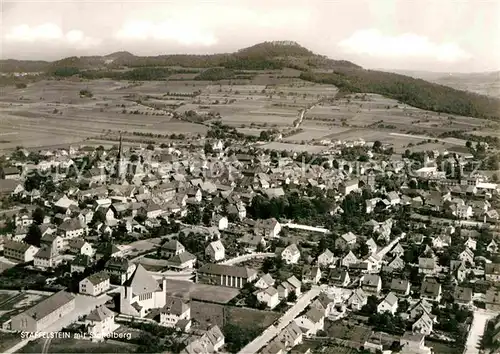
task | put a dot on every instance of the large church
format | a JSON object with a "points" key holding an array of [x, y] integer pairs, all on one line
{"points": [[142, 293]]}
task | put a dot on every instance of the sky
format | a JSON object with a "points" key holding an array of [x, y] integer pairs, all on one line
{"points": [[429, 35]]}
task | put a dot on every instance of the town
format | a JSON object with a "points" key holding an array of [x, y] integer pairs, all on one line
{"points": [[218, 243]]}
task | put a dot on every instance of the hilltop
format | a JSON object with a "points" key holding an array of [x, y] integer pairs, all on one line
{"points": [[262, 56], [347, 76]]}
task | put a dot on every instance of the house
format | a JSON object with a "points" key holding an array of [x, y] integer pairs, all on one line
{"points": [[225, 275], [413, 343], [172, 248], [421, 307], [463, 295], [80, 263], [72, 228], [471, 244], [347, 240], [349, 186], [11, 173], [292, 285], [55, 242], [150, 211], [95, 284], [358, 299], [372, 245], [210, 342], [269, 296], [10, 187], [324, 303], [44, 313], [466, 256], [492, 247], [119, 270], [398, 250], [269, 228], [400, 286], [492, 272], [23, 220], [349, 259], [427, 265], [215, 251], [291, 254], [396, 264], [371, 283], [100, 323], [441, 241], [142, 293], [326, 258], [430, 290], [46, 258], [19, 251], [265, 281], [492, 300], [339, 277], [184, 260], [290, 336], [63, 203], [250, 242], [274, 347], [80, 246], [423, 325], [221, 222], [176, 313], [311, 322], [393, 198], [388, 304], [459, 270], [311, 274]]}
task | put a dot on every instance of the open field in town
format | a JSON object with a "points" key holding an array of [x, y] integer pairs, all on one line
{"points": [[15, 302], [202, 292], [51, 112], [206, 314], [77, 346]]}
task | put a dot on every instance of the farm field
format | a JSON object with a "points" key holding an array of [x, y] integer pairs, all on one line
{"points": [[51, 112]]}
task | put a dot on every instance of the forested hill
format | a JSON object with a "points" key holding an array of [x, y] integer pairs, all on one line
{"points": [[415, 92], [262, 56], [348, 76]]}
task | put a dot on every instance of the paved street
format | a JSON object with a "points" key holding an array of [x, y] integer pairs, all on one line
{"points": [[83, 306], [387, 248], [481, 317], [272, 331], [247, 257]]}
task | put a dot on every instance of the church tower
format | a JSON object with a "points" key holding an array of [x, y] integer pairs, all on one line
{"points": [[120, 173]]}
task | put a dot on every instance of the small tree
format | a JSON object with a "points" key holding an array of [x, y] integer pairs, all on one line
{"points": [[34, 235], [38, 216]]}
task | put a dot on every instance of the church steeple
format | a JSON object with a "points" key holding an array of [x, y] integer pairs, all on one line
{"points": [[119, 158], [120, 148]]}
